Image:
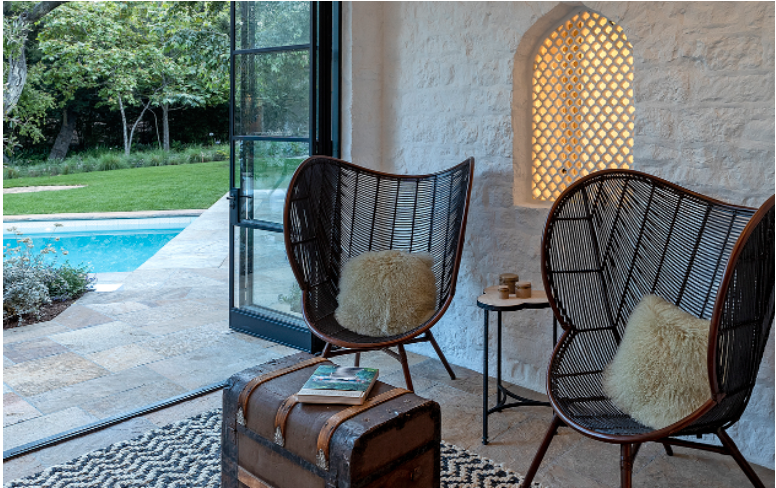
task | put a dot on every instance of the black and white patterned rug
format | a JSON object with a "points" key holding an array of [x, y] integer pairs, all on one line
{"points": [[186, 455]]}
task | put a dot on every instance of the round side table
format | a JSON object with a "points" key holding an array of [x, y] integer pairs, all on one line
{"points": [[489, 301]]}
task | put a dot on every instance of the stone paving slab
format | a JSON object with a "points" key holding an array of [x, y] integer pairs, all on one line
{"points": [[15, 409], [215, 363], [124, 357], [87, 391], [33, 331], [51, 373], [100, 337], [129, 400], [103, 438], [41, 347], [45, 426], [77, 316]]}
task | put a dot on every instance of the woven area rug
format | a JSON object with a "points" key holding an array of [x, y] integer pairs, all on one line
{"points": [[186, 455]]}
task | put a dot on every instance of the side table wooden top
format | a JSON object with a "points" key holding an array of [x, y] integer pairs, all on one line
{"points": [[490, 300]]}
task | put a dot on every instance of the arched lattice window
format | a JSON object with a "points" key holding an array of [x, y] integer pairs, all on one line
{"points": [[582, 103]]}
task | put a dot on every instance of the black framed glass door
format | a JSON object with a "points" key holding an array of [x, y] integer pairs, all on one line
{"points": [[284, 83]]}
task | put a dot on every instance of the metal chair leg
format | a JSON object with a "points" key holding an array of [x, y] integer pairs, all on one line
{"points": [[357, 361], [626, 466], [440, 354], [529, 476], [731, 446], [405, 366]]}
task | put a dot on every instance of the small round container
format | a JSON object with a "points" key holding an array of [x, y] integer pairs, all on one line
{"points": [[523, 289], [508, 279], [503, 292]]}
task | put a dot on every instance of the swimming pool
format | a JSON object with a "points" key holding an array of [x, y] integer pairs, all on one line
{"points": [[106, 246]]}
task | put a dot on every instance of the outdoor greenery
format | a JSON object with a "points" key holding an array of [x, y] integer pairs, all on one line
{"points": [[29, 281], [104, 71], [124, 190], [80, 75], [102, 159]]}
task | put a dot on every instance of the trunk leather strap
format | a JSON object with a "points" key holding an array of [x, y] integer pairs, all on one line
{"points": [[281, 417], [249, 480], [245, 394], [324, 437]]}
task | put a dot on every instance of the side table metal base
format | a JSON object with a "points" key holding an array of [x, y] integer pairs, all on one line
{"points": [[502, 393]]}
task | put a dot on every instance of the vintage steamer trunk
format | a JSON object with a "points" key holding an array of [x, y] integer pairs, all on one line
{"points": [[269, 441]]}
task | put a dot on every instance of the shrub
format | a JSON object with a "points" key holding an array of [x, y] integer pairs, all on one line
{"points": [[109, 161], [29, 282]]}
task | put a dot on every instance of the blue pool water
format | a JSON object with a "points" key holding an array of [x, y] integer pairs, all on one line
{"points": [[104, 251]]}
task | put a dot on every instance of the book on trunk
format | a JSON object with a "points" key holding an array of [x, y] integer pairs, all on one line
{"points": [[335, 384]]}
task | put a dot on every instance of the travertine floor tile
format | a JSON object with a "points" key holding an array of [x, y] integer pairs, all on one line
{"points": [[66, 451], [21, 467], [71, 396], [78, 316], [47, 425], [187, 409], [32, 331], [129, 400], [15, 409], [124, 357], [32, 349], [42, 375], [100, 337]]}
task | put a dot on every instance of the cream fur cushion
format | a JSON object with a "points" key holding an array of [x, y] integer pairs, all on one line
{"points": [[386, 293], [659, 374]]}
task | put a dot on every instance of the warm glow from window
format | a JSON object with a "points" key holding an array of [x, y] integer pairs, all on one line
{"points": [[582, 103]]}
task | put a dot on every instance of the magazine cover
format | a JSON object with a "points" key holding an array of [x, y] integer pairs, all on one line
{"points": [[330, 377]]}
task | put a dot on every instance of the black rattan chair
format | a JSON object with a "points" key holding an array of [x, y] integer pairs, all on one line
{"points": [[613, 237], [336, 210]]}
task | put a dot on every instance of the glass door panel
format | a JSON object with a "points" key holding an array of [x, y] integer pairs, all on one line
{"points": [[272, 94], [282, 83], [271, 24], [266, 280], [266, 168]]}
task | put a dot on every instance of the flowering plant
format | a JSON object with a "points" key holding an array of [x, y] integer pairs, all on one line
{"points": [[29, 281]]}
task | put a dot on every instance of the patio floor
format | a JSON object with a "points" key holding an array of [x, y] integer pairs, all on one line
{"points": [[165, 331]]}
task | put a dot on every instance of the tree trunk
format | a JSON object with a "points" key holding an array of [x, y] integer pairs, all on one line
{"points": [[166, 125], [17, 64], [134, 126], [124, 127], [17, 77], [65, 137]]}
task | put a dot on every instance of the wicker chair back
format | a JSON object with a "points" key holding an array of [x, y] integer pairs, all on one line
{"points": [[617, 235], [336, 210]]}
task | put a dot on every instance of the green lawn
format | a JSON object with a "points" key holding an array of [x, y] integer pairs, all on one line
{"points": [[155, 188]]}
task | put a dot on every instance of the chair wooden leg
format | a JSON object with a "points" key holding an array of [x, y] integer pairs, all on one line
{"points": [[440, 354], [731, 447], [626, 466], [668, 448], [406, 367], [529, 476], [326, 350], [357, 361]]}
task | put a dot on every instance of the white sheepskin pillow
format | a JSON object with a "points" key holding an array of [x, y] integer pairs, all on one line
{"points": [[659, 374], [386, 293]]}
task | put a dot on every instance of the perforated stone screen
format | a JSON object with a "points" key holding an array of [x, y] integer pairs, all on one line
{"points": [[582, 103]]}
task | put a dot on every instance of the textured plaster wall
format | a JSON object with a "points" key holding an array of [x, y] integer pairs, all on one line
{"points": [[433, 83]]}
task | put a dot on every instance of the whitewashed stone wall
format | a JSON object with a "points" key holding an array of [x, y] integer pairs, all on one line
{"points": [[429, 84]]}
